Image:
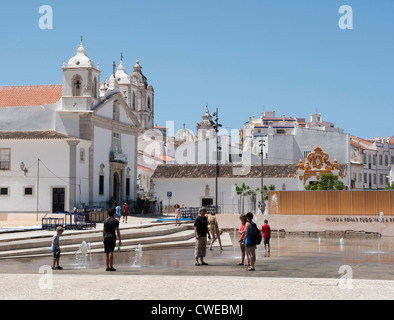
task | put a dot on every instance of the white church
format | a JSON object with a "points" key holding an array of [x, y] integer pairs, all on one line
{"points": [[75, 144]]}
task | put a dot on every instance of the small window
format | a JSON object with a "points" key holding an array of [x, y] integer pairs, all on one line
{"points": [[82, 155], [4, 191], [28, 191]]}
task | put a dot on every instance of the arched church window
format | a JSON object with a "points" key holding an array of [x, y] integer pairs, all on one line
{"points": [[95, 88], [149, 104], [77, 86], [116, 112], [133, 101]]}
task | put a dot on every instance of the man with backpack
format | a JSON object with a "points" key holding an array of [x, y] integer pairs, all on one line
{"points": [[252, 239]]}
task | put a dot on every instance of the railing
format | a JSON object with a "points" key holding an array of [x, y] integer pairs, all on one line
{"points": [[52, 223], [192, 212]]}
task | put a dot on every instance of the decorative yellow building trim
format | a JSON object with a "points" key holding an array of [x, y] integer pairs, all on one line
{"points": [[317, 164]]}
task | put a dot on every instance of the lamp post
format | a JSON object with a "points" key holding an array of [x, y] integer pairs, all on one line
{"points": [[216, 127], [262, 145]]}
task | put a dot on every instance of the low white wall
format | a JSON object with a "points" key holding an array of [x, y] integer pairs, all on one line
{"points": [[299, 223]]}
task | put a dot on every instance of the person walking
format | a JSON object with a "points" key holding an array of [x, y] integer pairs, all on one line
{"points": [[125, 211], [118, 212], [201, 231], [241, 240], [56, 248], [110, 231], [250, 247], [214, 230], [266, 231]]}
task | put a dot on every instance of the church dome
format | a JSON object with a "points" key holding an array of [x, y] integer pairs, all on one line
{"points": [[80, 59], [137, 78], [185, 135], [121, 75], [207, 122]]}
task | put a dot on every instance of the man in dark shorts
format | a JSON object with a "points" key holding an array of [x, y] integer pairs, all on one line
{"points": [[201, 231], [111, 228]]}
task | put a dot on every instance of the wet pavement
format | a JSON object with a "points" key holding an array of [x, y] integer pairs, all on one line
{"points": [[290, 257]]}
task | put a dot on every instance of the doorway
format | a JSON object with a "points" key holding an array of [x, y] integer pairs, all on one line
{"points": [[58, 195], [116, 188]]}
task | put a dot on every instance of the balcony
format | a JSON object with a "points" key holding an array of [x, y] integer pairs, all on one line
{"points": [[118, 157]]}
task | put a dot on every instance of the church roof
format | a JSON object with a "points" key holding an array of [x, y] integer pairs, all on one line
{"points": [[34, 135], [24, 96]]}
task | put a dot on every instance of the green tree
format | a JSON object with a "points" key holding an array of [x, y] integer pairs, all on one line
{"points": [[327, 182], [390, 187]]}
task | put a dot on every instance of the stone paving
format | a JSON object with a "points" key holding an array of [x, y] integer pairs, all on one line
{"points": [[290, 273]]}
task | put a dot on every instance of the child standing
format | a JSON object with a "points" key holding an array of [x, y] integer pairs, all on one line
{"points": [[242, 238], [56, 248], [177, 215], [266, 230]]}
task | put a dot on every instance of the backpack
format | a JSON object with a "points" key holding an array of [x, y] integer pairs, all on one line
{"points": [[255, 236]]}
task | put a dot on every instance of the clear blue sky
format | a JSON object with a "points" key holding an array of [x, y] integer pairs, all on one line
{"points": [[240, 56]]}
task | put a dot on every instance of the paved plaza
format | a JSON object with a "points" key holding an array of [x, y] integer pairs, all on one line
{"points": [[298, 268]]}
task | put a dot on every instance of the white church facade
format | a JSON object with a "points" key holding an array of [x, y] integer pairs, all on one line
{"points": [[75, 144]]}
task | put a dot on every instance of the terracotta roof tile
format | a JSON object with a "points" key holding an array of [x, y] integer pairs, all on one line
{"points": [[170, 171], [23, 96], [33, 135]]}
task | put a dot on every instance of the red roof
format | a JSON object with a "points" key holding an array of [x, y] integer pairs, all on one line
{"points": [[23, 96]]}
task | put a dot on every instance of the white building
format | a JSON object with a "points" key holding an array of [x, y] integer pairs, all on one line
{"points": [[287, 140], [370, 161], [73, 144]]}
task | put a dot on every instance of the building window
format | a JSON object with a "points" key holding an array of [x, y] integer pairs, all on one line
{"points": [[306, 154], [4, 191], [95, 88], [28, 191], [374, 159], [116, 113], [82, 155], [149, 104], [101, 185], [133, 101], [5, 156], [380, 160], [386, 160]]}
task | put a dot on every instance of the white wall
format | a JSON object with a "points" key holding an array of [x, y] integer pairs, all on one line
{"points": [[54, 172], [190, 191]]}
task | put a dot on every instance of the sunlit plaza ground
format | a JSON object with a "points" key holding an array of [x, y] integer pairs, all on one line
{"points": [[297, 268]]}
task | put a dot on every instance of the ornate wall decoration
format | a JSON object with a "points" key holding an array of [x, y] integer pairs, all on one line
{"points": [[317, 164]]}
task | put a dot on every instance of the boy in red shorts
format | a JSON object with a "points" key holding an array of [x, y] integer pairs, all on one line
{"points": [[266, 231]]}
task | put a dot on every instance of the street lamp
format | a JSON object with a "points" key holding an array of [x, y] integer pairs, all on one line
{"points": [[262, 145], [216, 127], [23, 168]]}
